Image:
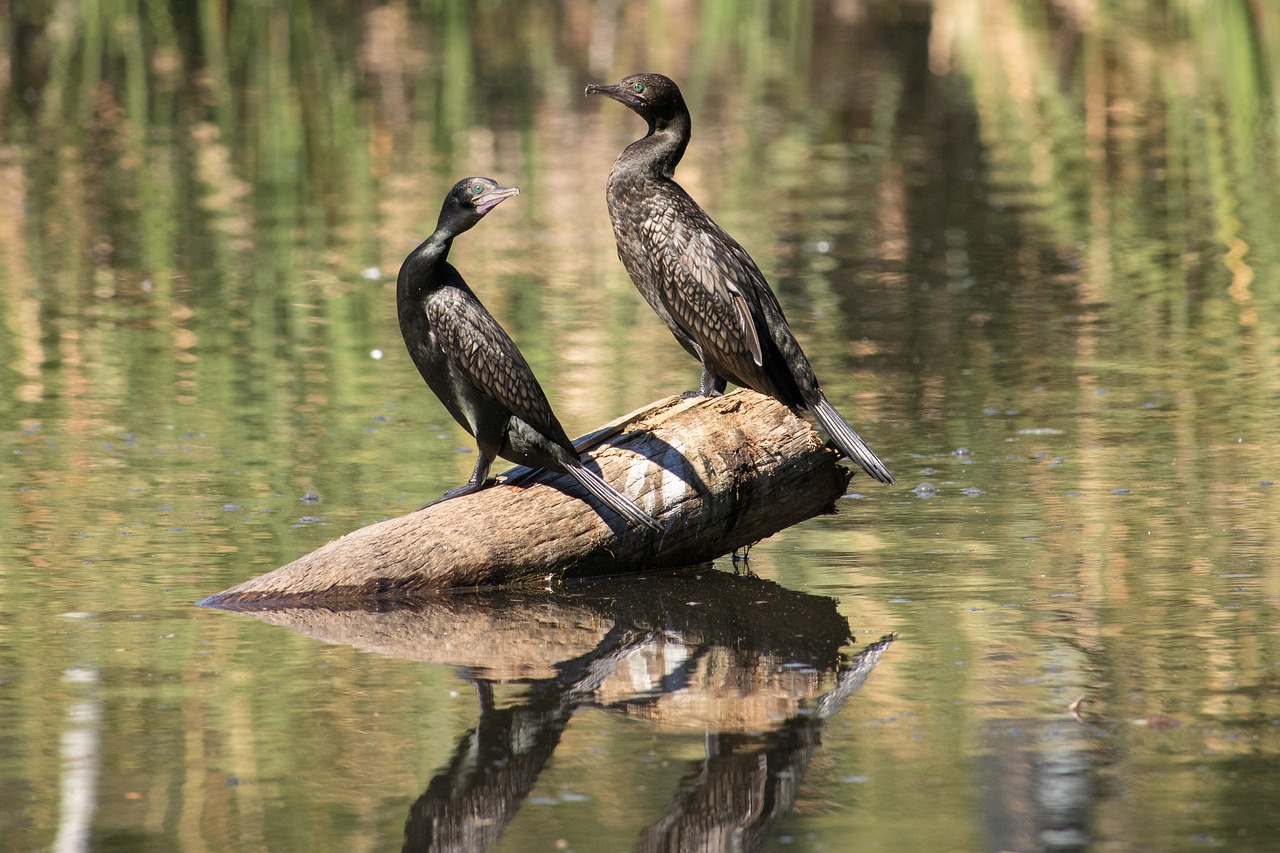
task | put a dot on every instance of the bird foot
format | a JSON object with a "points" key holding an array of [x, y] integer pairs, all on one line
{"points": [[462, 490], [742, 564], [695, 394], [469, 488]]}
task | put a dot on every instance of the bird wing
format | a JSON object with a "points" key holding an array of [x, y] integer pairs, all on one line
{"points": [[484, 355], [748, 326], [716, 293], [713, 286]]}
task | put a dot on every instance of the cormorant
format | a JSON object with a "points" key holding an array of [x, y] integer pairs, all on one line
{"points": [[475, 368], [703, 285]]}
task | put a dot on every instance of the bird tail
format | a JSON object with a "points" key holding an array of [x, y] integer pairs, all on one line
{"points": [[607, 494], [848, 441]]}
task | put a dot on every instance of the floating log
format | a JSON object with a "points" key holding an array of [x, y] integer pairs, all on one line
{"points": [[719, 474]]}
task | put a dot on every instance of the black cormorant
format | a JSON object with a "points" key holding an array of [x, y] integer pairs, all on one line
{"points": [[474, 367], [697, 278]]}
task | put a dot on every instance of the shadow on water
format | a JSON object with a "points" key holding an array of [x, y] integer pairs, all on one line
{"points": [[758, 667]]}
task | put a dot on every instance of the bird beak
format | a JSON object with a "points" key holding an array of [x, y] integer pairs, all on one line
{"points": [[488, 201], [619, 94]]}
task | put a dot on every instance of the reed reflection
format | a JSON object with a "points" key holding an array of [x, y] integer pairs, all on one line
{"points": [[758, 667]]}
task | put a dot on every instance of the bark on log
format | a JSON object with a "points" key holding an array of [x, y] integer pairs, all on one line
{"points": [[719, 474]]}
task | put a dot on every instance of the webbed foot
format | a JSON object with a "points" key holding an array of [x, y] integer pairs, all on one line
{"points": [[464, 489], [468, 488], [702, 392]]}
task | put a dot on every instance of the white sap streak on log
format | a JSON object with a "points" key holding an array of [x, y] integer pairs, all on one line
{"points": [[675, 470], [637, 474]]}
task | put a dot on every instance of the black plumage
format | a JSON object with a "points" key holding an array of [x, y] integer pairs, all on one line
{"points": [[475, 368], [703, 285]]}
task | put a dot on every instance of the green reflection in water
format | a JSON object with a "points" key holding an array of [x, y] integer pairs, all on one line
{"points": [[1029, 248]]}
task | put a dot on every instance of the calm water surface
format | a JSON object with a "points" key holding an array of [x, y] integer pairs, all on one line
{"points": [[1030, 249]]}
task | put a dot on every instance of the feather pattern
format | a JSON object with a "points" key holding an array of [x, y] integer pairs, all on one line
{"points": [[697, 278], [474, 367], [480, 351]]}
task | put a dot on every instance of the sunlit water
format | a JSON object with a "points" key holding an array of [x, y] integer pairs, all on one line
{"points": [[1045, 293]]}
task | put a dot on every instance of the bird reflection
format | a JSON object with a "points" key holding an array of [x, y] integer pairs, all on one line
{"points": [[495, 765], [758, 667], [746, 782]]}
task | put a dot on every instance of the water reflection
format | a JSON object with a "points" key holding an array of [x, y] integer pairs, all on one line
{"points": [[80, 753], [1039, 783], [1040, 232], [755, 666]]}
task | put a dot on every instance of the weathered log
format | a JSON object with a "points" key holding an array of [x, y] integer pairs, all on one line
{"points": [[719, 474]]}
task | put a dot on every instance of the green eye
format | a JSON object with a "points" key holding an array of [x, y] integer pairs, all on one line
{"points": [[639, 87], [477, 188]]}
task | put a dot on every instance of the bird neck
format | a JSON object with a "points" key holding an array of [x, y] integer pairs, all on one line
{"points": [[659, 151], [420, 270]]}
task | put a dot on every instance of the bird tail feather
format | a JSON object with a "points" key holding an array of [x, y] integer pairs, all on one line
{"points": [[849, 442], [607, 494]]}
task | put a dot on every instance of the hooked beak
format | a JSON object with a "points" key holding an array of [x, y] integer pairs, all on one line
{"points": [[488, 201], [619, 94]]}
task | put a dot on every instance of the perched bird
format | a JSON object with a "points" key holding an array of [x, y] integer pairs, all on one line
{"points": [[697, 278], [474, 367]]}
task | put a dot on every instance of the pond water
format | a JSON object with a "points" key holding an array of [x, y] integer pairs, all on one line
{"points": [[1030, 248]]}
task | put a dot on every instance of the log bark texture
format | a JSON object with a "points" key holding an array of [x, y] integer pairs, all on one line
{"points": [[718, 473]]}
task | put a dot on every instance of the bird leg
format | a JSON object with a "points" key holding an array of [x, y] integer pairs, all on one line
{"points": [[480, 479], [710, 386]]}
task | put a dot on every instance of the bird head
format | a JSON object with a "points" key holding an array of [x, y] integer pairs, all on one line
{"points": [[654, 97], [470, 199]]}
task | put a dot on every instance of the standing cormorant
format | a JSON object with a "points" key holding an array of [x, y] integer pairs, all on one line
{"points": [[697, 278], [474, 367]]}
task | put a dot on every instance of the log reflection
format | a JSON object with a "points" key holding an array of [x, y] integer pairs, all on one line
{"points": [[757, 667]]}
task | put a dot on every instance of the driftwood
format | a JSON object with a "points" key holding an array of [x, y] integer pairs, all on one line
{"points": [[757, 668], [719, 474]]}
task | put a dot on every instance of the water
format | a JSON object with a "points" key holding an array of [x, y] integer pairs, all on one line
{"points": [[1032, 256]]}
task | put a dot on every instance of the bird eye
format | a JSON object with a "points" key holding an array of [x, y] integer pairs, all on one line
{"points": [[639, 87], [477, 188]]}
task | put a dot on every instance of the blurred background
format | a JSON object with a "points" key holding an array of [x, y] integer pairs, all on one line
{"points": [[1029, 245]]}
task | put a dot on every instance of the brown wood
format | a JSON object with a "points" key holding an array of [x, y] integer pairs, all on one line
{"points": [[719, 474]]}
